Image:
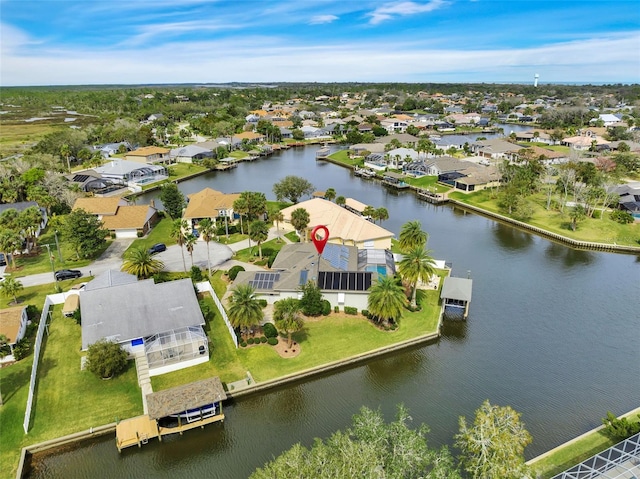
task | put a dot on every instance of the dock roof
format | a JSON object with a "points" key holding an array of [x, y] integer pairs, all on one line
{"points": [[456, 288], [182, 398]]}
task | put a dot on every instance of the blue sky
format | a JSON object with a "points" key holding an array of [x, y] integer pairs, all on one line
{"points": [[68, 42]]}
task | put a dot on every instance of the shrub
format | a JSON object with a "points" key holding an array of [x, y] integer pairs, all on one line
{"points": [[250, 341], [76, 315], [365, 313], [105, 358], [272, 341], [139, 234], [350, 310], [622, 217], [33, 313], [22, 349], [196, 273], [271, 259], [205, 307], [233, 272], [243, 344], [270, 331], [336, 309], [263, 339], [311, 301], [326, 307], [263, 303], [618, 429]]}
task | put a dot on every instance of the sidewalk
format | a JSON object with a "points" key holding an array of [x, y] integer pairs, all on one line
{"points": [[247, 243]]}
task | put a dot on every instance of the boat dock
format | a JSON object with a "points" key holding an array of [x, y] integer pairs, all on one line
{"points": [[364, 173], [432, 197], [174, 411], [456, 295], [323, 153], [394, 180]]}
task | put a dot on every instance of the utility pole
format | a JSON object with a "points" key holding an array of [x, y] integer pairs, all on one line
{"points": [[55, 233], [53, 269]]}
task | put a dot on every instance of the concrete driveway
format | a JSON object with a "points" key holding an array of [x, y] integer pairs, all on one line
{"points": [[172, 257]]}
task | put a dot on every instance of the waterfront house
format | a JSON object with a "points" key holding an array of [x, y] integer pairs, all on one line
{"points": [[209, 203], [131, 173], [344, 273], [345, 227], [497, 149], [149, 155], [162, 321], [190, 154]]}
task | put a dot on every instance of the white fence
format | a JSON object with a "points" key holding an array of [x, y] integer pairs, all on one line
{"points": [[206, 286]]}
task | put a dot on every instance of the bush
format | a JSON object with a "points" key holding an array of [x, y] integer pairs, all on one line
{"points": [[350, 310], [106, 359], [33, 313], [233, 272], [622, 217], [311, 302], [205, 307], [271, 259], [263, 339], [618, 429], [365, 313], [270, 331], [22, 349], [263, 303], [250, 341], [272, 341], [196, 274], [139, 234], [326, 307], [243, 344], [336, 309]]}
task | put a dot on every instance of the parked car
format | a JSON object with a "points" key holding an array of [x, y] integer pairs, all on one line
{"points": [[63, 274], [157, 248], [3, 260]]}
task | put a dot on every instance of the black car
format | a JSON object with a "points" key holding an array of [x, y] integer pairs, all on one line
{"points": [[157, 248], [67, 274]]}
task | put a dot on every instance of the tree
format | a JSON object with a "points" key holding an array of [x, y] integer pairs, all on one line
{"points": [[577, 214], [189, 243], [368, 212], [493, 446], [416, 265], [330, 194], [10, 287], [370, 448], [106, 359], [178, 228], [311, 301], [275, 214], [381, 214], [300, 221], [255, 204], [29, 220], [619, 429], [140, 262], [172, 200], [84, 232], [292, 188], [207, 230], [244, 309], [412, 236], [65, 152], [258, 232], [10, 241], [386, 300], [341, 201], [5, 349], [286, 314]]}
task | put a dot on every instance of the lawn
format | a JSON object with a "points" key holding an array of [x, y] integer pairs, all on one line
{"points": [[68, 400], [233, 238], [428, 182], [342, 156], [598, 230], [178, 170], [160, 233], [252, 254]]}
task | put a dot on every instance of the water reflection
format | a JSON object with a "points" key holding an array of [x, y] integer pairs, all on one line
{"points": [[569, 256], [391, 371], [455, 330], [512, 238], [289, 405]]}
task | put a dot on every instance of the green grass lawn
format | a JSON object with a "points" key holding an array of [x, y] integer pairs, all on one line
{"points": [[239, 154], [68, 400], [343, 157], [233, 238], [591, 229], [428, 182], [178, 170], [252, 254], [160, 233], [293, 237]]}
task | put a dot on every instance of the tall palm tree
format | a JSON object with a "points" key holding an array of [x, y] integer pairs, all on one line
{"points": [[178, 228], [386, 299], [417, 264], [11, 287], [207, 230], [412, 236], [140, 262], [241, 206], [65, 152], [381, 214], [258, 232], [330, 194], [190, 243], [244, 309], [300, 221], [341, 200], [286, 314], [9, 242], [276, 215], [369, 212]]}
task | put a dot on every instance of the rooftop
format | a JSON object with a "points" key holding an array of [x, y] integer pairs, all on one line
{"points": [[182, 398]]}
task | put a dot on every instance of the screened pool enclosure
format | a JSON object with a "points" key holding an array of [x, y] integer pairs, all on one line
{"points": [[175, 346]]}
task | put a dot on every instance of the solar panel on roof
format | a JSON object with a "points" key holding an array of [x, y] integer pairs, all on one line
{"points": [[80, 178], [345, 280]]}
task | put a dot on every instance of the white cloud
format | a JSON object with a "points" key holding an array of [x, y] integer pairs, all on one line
{"points": [[320, 19], [389, 10]]}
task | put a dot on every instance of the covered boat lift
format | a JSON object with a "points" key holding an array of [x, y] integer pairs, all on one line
{"points": [[456, 294]]}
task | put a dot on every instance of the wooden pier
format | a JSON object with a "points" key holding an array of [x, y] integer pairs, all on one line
{"points": [[431, 197], [395, 180]]}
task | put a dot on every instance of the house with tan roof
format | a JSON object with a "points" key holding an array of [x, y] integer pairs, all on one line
{"points": [[149, 155], [209, 203], [120, 218], [13, 324], [250, 136], [345, 227]]}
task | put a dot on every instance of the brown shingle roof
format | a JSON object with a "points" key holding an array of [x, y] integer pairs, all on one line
{"points": [[10, 322], [128, 217], [207, 203], [248, 135], [149, 150], [99, 206]]}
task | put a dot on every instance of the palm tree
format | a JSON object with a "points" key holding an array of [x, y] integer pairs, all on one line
{"points": [[330, 194], [11, 287], [190, 243], [65, 152], [140, 262], [276, 215], [207, 230], [286, 314], [341, 200], [9, 242], [381, 214], [300, 220], [244, 309], [258, 232], [386, 299], [368, 212], [412, 236], [416, 265], [178, 228], [241, 206]]}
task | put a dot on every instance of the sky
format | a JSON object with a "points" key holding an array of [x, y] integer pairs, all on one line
{"points": [[69, 42]]}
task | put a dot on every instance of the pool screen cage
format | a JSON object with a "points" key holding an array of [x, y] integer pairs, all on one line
{"points": [[175, 346]]}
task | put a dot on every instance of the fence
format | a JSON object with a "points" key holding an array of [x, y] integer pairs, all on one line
{"points": [[206, 286]]}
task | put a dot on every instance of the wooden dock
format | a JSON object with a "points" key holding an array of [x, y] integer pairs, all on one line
{"points": [[431, 197], [136, 431], [323, 153]]}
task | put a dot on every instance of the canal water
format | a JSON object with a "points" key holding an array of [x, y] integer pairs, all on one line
{"points": [[552, 331]]}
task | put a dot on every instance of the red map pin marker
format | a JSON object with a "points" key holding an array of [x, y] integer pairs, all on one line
{"points": [[319, 242]]}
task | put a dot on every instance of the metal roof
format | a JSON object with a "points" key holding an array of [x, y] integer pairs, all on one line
{"points": [[456, 288]]}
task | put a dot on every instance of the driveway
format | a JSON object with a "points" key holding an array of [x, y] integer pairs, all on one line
{"points": [[172, 257]]}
